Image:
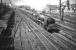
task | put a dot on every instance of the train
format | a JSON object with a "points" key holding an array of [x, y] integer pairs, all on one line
{"points": [[47, 23]]}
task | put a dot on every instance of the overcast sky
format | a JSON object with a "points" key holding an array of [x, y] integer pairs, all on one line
{"points": [[37, 4]]}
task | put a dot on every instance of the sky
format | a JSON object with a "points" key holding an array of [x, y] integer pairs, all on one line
{"points": [[37, 4]]}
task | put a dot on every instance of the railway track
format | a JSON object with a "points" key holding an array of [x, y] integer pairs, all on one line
{"points": [[36, 39], [49, 39], [30, 36], [68, 36]]}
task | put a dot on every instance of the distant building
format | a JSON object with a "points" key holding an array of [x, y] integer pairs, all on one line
{"points": [[69, 5], [50, 8], [72, 3]]}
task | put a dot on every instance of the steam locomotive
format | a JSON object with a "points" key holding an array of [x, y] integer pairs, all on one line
{"points": [[48, 23]]}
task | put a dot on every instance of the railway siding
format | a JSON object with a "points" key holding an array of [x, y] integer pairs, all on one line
{"points": [[28, 35]]}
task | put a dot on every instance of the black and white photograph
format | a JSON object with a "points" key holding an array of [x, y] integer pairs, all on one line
{"points": [[37, 24]]}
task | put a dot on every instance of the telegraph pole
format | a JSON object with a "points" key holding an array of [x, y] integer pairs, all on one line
{"points": [[68, 4], [60, 10], [1, 2]]}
